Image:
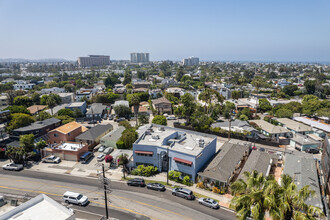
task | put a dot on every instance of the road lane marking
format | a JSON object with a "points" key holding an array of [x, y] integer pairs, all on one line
{"points": [[53, 194], [142, 203]]}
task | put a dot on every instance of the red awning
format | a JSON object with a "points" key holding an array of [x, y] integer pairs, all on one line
{"points": [[182, 161], [144, 152]]}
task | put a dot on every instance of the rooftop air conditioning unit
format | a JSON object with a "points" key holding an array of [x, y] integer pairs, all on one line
{"points": [[156, 137], [161, 129], [148, 132]]}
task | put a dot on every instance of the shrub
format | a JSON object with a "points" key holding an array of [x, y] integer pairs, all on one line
{"points": [[120, 144], [186, 181], [174, 175], [200, 185], [216, 190], [147, 171]]}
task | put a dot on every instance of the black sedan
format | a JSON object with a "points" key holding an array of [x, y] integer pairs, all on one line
{"points": [[156, 186]]}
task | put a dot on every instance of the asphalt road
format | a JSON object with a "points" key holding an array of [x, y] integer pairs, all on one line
{"points": [[125, 202]]}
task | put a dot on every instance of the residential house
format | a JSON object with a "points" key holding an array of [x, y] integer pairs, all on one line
{"points": [[141, 84], [303, 142], [56, 109], [271, 130], [121, 102], [67, 150], [177, 92], [93, 135], [325, 162], [257, 161], [162, 105], [39, 207], [81, 106], [188, 151], [55, 90], [88, 93], [119, 89], [143, 108], [303, 170], [23, 85], [66, 98], [35, 109], [67, 132], [39, 128], [4, 99], [226, 165], [314, 123], [240, 127], [110, 139], [294, 126], [155, 93], [139, 90], [96, 111]]}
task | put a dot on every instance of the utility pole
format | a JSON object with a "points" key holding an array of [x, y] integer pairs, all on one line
{"points": [[229, 127], [105, 183], [168, 164]]}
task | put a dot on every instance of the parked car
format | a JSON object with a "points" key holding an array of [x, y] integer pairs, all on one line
{"points": [[156, 186], [105, 117], [52, 159], [209, 203], [100, 157], [13, 166], [121, 119], [101, 149], [136, 182], [312, 151], [75, 198], [108, 150], [110, 117], [184, 193], [262, 149], [92, 122], [171, 118]]}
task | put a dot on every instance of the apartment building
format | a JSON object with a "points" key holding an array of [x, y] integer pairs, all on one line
{"points": [[94, 60]]}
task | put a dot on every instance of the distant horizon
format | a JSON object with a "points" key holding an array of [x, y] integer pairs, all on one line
{"points": [[201, 60], [237, 30]]}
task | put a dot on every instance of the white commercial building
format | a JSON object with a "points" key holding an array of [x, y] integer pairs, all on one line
{"points": [[94, 60], [191, 61], [139, 57]]}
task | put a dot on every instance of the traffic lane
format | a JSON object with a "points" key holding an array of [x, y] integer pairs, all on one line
{"points": [[221, 213]]}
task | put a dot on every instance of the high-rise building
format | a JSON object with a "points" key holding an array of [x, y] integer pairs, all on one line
{"points": [[93, 60], [191, 61], [139, 57]]}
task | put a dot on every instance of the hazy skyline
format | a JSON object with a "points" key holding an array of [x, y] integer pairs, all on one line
{"points": [[255, 30]]}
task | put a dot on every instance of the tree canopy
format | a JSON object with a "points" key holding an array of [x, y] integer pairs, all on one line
{"points": [[159, 119]]}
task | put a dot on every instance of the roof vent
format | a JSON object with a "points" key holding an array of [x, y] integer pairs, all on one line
{"points": [[161, 129], [155, 137]]}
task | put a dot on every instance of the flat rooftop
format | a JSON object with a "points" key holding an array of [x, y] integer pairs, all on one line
{"points": [[69, 146], [76, 104], [176, 139]]}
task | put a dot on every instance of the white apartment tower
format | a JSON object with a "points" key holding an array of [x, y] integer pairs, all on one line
{"points": [[139, 57], [191, 61], [94, 60]]}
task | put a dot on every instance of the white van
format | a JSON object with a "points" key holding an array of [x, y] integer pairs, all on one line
{"points": [[75, 198]]}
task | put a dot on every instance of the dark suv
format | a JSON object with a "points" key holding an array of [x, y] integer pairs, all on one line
{"points": [[184, 193], [136, 182]]}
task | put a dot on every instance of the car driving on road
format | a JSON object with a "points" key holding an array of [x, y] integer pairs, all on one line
{"points": [[136, 182], [156, 186], [183, 193], [75, 198], [13, 166], [209, 203], [51, 159]]}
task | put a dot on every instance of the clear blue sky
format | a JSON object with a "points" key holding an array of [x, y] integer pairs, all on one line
{"points": [[253, 30]]}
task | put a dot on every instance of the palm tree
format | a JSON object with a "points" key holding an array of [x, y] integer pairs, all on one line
{"points": [[292, 201], [123, 161], [208, 95], [257, 195], [135, 101], [51, 102]]}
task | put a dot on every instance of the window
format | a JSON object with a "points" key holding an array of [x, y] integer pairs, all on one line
{"points": [[144, 155], [69, 134], [188, 165], [55, 135]]}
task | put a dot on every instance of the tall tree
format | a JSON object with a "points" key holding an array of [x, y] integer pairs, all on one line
{"points": [[135, 102], [189, 105], [123, 161]]}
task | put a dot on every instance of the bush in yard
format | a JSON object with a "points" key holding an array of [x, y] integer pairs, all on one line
{"points": [[216, 190], [147, 171], [174, 175], [200, 185], [186, 181], [120, 144]]}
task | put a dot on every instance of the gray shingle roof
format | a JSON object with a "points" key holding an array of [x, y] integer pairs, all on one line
{"points": [[93, 133], [270, 128], [96, 108], [39, 124], [223, 165], [302, 169], [258, 161]]}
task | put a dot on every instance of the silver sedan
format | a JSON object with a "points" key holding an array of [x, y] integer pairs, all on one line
{"points": [[13, 166], [209, 203]]}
